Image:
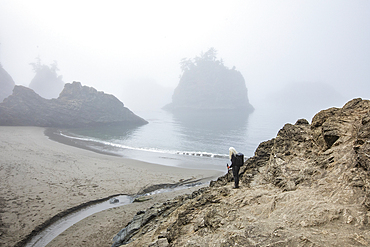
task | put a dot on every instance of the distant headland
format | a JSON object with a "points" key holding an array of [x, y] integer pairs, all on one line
{"points": [[76, 106]]}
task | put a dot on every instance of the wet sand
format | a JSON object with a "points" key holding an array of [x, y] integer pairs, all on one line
{"points": [[41, 178]]}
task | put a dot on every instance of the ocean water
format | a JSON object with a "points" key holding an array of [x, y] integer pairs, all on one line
{"points": [[197, 140]]}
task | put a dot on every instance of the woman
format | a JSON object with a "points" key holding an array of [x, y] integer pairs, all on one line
{"points": [[235, 165]]}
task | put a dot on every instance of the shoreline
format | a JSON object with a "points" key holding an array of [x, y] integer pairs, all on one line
{"points": [[40, 178], [180, 159], [50, 133]]}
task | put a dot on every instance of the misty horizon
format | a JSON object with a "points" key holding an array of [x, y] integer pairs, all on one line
{"points": [[133, 50]]}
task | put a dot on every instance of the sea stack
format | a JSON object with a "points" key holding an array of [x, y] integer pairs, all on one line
{"points": [[206, 84]]}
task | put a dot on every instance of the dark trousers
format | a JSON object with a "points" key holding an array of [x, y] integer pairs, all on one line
{"points": [[236, 175]]}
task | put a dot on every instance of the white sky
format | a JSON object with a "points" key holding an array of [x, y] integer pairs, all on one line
{"points": [[111, 45]]}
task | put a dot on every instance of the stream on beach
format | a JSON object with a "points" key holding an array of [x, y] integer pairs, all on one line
{"points": [[45, 236]]}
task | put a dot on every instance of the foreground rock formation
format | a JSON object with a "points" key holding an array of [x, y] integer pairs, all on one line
{"points": [[6, 84], [309, 186], [76, 106]]}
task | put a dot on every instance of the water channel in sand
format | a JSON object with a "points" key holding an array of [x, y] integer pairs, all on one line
{"points": [[46, 235]]}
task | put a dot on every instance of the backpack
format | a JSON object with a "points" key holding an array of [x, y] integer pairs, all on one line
{"points": [[240, 159]]}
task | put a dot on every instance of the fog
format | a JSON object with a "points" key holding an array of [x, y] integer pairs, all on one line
{"points": [[132, 49]]}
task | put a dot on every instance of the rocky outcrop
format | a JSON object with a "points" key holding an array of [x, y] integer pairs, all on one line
{"points": [[208, 85], [6, 84], [309, 186], [76, 106]]}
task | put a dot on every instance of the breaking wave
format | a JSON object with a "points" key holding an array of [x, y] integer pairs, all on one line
{"points": [[99, 143]]}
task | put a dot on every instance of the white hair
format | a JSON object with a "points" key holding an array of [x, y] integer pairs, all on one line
{"points": [[231, 152]]}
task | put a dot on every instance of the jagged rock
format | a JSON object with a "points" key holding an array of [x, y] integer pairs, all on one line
{"points": [[139, 220], [6, 84], [113, 200], [299, 189], [77, 106], [161, 242], [142, 199]]}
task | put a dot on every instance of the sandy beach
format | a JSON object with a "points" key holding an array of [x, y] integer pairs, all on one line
{"points": [[40, 178]]}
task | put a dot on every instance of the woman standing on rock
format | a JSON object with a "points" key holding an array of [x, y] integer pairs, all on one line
{"points": [[236, 162]]}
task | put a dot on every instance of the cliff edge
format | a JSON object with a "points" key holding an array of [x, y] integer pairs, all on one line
{"points": [[309, 186]]}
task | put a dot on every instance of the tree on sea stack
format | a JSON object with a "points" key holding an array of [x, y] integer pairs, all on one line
{"points": [[46, 82], [206, 84]]}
